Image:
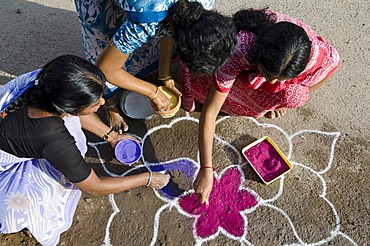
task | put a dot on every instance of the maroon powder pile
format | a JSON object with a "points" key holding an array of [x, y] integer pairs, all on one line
{"points": [[266, 160]]}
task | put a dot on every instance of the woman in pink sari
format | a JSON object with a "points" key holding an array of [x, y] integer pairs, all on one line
{"points": [[278, 60]]}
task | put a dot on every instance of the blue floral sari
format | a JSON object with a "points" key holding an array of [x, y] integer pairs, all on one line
{"points": [[135, 26]]}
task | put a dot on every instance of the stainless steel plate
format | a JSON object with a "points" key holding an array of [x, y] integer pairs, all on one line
{"points": [[136, 106]]}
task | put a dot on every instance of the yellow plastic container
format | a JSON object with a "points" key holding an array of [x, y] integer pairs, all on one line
{"points": [[266, 159], [175, 103]]}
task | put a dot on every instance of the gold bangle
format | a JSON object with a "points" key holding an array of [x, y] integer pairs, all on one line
{"points": [[165, 78], [155, 94]]}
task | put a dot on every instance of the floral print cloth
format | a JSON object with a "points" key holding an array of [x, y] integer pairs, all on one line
{"points": [[135, 26]]}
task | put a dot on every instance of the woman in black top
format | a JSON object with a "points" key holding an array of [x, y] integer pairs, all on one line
{"points": [[42, 147]]}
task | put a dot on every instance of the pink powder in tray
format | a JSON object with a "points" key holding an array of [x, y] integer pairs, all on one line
{"points": [[266, 160]]}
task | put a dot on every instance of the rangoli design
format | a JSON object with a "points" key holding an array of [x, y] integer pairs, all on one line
{"points": [[226, 202], [232, 203]]}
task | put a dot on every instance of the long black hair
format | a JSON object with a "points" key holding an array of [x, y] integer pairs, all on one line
{"points": [[67, 84], [204, 39], [282, 48]]}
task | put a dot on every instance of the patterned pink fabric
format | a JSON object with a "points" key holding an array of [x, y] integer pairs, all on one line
{"points": [[249, 93]]}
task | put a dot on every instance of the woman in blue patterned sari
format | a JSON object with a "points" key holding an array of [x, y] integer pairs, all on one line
{"points": [[123, 38]]}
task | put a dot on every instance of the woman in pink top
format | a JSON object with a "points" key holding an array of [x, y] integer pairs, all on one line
{"points": [[278, 60]]}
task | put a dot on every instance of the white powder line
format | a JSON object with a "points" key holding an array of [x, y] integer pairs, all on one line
{"points": [[347, 237], [156, 223], [289, 221], [334, 135], [116, 210], [261, 202]]}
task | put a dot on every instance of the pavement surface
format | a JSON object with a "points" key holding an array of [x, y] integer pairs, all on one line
{"points": [[323, 200]]}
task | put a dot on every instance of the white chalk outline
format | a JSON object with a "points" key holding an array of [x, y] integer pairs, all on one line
{"points": [[240, 162]]}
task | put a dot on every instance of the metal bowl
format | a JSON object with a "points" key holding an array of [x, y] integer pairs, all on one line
{"points": [[136, 106]]}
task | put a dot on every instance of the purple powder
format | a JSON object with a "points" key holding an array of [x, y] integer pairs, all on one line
{"points": [[128, 151], [266, 160]]}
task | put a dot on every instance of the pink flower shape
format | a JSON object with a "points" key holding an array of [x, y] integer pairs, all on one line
{"points": [[226, 201]]}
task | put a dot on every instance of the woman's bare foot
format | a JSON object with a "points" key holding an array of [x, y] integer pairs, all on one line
{"points": [[114, 116], [276, 113]]}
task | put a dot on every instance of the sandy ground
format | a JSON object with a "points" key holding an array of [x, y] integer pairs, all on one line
{"points": [[324, 200]]}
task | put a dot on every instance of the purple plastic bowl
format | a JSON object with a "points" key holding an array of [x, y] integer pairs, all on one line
{"points": [[128, 151]]}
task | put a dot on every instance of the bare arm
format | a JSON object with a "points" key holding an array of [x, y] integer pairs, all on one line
{"points": [[207, 124], [93, 124], [111, 60], [165, 58], [95, 186], [206, 131]]}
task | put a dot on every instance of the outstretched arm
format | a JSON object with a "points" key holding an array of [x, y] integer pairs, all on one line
{"points": [[95, 185], [111, 60], [165, 59], [93, 124], [207, 125]]}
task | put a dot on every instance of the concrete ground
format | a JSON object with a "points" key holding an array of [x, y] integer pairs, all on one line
{"points": [[324, 200]]}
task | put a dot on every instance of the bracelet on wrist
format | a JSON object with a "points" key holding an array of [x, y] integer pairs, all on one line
{"points": [[165, 78], [149, 179], [155, 94], [106, 136], [204, 167]]}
